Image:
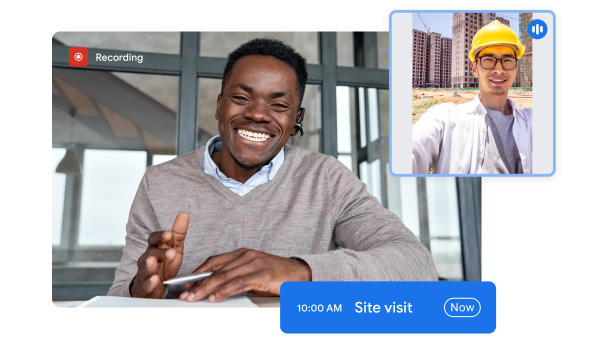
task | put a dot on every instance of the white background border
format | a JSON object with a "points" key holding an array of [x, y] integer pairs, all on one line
{"points": [[543, 238]]}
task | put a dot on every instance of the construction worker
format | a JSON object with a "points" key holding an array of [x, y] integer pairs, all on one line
{"points": [[489, 134]]}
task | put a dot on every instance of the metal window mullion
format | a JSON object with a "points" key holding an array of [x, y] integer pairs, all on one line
{"points": [[469, 208], [370, 50], [359, 62], [329, 60], [423, 214], [149, 158], [363, 77], [187, 118], [354, 130], [370, 62], [367, 123], [362, 152]]}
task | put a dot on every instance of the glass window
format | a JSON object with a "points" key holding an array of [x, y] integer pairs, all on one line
{"points": [[383, 50], [163, 89], [347, 160], [369, 173], [162, 158], [208, 90], [383, 108], [374, 129], [443, 218], [110, 181], [220, 44], [58, 194], [112, 124], [375, 179], [99, 110], [346, 98], [159, 42], [409, 204], [343, 113], [403, 200], [346, 49], [312, 120], [368, 115], [444, 226], [362, 117], [363, 107]]}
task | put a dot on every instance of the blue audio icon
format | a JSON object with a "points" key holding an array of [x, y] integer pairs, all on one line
{"points": [[537, 29]]}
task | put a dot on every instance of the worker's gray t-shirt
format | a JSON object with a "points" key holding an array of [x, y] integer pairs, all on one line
{"points": [[501, 154]]}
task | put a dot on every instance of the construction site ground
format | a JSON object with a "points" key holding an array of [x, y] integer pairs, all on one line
{"points": [[423, 99]]}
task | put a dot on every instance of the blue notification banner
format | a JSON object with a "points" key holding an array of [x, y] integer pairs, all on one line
{"points": [[388, 307]]}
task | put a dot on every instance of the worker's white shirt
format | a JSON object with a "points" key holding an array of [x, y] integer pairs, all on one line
{"points": [[451, 138]]}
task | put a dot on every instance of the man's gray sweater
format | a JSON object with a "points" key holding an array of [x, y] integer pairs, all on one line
{"points": [[312, 206]]}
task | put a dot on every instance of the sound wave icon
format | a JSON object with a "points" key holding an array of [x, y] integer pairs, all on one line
{"points": [[537, 29]]}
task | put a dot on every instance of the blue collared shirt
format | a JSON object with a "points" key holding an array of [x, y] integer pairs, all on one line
{"points": [[266, 174]]}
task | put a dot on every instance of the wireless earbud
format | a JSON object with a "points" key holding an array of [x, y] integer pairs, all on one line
{"points": [[298, 125]]}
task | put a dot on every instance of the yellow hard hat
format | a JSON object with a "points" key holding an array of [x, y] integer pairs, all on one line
{"points": [[496, 34]]}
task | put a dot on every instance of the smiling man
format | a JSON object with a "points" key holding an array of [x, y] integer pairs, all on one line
{"points": [[255, 211], [488, 135]]}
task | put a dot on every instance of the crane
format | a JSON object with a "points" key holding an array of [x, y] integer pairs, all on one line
{"points": [[428, 29]]}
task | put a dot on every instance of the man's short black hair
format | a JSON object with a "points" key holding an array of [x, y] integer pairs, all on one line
{"points": [[274, 48]]}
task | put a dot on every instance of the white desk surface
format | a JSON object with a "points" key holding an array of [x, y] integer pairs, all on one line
{"points": [[262, 302]]}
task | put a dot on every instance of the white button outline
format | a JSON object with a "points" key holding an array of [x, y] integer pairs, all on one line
{"points": [[461, 298]]}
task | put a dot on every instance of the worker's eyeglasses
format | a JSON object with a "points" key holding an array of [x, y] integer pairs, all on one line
{"points": [[489, 62]]}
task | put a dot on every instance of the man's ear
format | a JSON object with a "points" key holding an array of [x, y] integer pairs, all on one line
{"points": [[300, 117], [217, 108], [474, 67]]}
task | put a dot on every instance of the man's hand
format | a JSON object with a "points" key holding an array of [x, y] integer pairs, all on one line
{"points": [[245, 270], [162, 259]]}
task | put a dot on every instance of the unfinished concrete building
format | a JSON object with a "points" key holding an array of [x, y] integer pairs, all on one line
{"points": [[486, 18], [419, 58], [445, 78], [431, 56], [517, 82], [433, 66], [464, 27], [503, 20], [525, 62]]}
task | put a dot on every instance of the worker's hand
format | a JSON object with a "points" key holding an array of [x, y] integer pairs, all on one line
{"points": [[162, 259], [245, 270]]}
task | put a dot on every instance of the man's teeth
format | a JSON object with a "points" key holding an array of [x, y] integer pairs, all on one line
{"points": [[253, 136]]}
